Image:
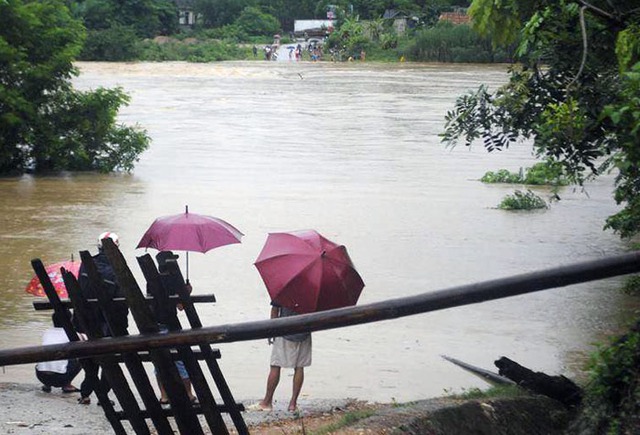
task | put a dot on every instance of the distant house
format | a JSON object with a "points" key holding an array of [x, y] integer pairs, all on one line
{"points": [[399, 20], [186, 15], [313, 28], [459, 16]]}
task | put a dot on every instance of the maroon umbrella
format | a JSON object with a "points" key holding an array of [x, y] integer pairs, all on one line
{"points": [[306, 272], [189, 232]]}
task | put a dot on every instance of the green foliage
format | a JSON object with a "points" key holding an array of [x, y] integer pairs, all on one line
{"points": [[193, 51], [578, 110], [612, 400], [632, 285], [522, 201], [83, 134], [628, 47], [45, 125], [148, 18], [450, 43], [217, 13], [546, 173], [115, 44], [542, 173], [624, 114], [252, 21], [502, 176]]}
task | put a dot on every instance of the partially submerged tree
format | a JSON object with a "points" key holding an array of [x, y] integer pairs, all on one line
{"points": [[44, 123], [574, 91]]}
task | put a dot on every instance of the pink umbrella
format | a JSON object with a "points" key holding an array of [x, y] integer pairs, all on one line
{"points": [[306, 272], [189, 232], [53, 270]]}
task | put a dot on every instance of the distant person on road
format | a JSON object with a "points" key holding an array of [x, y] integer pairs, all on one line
{"points": [[255, 51], [290, 351]]}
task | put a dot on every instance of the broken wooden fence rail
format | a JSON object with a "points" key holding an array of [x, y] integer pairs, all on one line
{"points": [[389, 309]]}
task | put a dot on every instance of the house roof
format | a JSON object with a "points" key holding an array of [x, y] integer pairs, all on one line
{"points": [[394, 13]]}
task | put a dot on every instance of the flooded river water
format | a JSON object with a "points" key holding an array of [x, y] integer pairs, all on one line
{"points": [[351, 150]]}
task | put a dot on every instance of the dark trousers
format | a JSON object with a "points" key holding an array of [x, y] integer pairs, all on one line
{"points": [[53, 379], [91, 380]]}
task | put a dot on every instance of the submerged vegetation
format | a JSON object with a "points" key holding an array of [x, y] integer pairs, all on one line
{"points": [[542, 173], [522, 201]]}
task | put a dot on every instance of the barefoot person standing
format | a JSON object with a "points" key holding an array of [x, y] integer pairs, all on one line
{"points": [[291, 351]]}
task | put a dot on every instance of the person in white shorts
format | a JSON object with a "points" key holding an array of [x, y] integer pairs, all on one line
{"points": [[290, 351]]}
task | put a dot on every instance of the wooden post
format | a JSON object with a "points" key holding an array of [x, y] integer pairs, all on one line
{"points": [[88, 365], [185, 415], [160, 295]]}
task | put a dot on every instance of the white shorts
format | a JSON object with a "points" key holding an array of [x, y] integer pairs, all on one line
{"points": [[291, 354]]}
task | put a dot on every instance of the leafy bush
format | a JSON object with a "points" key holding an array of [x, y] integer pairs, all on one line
{"points": [[522, 201], [193, 51], [254, 22], [501, 176], [115, 44], [612, 401], [542, 173], [632, 285], [547, 172], [446, 42]]}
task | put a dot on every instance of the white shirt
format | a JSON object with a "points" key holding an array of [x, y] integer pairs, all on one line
{"points": [[53, 336]]}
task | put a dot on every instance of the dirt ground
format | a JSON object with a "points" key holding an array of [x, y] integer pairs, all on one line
{"points": [[25, 409]]}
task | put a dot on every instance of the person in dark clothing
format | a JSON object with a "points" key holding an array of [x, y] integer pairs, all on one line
{"points": [[172, 280], [121, 312]]}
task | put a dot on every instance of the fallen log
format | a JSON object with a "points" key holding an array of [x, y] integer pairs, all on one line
{"points": [[560, 388]]}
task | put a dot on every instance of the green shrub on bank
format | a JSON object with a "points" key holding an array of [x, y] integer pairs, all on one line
{"points": [[115, 44], [612, 400], [631, 285], [446, 42], [192, 51], [522, 201]]}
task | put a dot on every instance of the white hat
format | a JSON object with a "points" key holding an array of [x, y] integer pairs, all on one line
{"points": [[108, 235]]}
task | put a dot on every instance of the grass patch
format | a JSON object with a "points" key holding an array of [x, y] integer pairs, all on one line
{"points": [[500, 391], [631, 285], [347, 419]]}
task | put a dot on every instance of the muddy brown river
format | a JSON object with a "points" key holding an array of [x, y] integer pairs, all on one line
{"points": [[351, 150]]}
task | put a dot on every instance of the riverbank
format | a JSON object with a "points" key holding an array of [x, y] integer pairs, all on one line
{"points": [[28, 410]]}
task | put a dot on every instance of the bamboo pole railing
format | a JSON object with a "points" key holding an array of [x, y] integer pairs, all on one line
{"points": [[389, 309]]}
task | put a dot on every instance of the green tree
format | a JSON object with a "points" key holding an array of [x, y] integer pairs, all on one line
{"points": [[574, 92], [44, 123], [218, 13], [254, 22]]}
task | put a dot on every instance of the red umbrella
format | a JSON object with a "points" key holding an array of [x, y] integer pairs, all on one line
{"points": [[53, 270], [189, 232], [306, 272]]}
